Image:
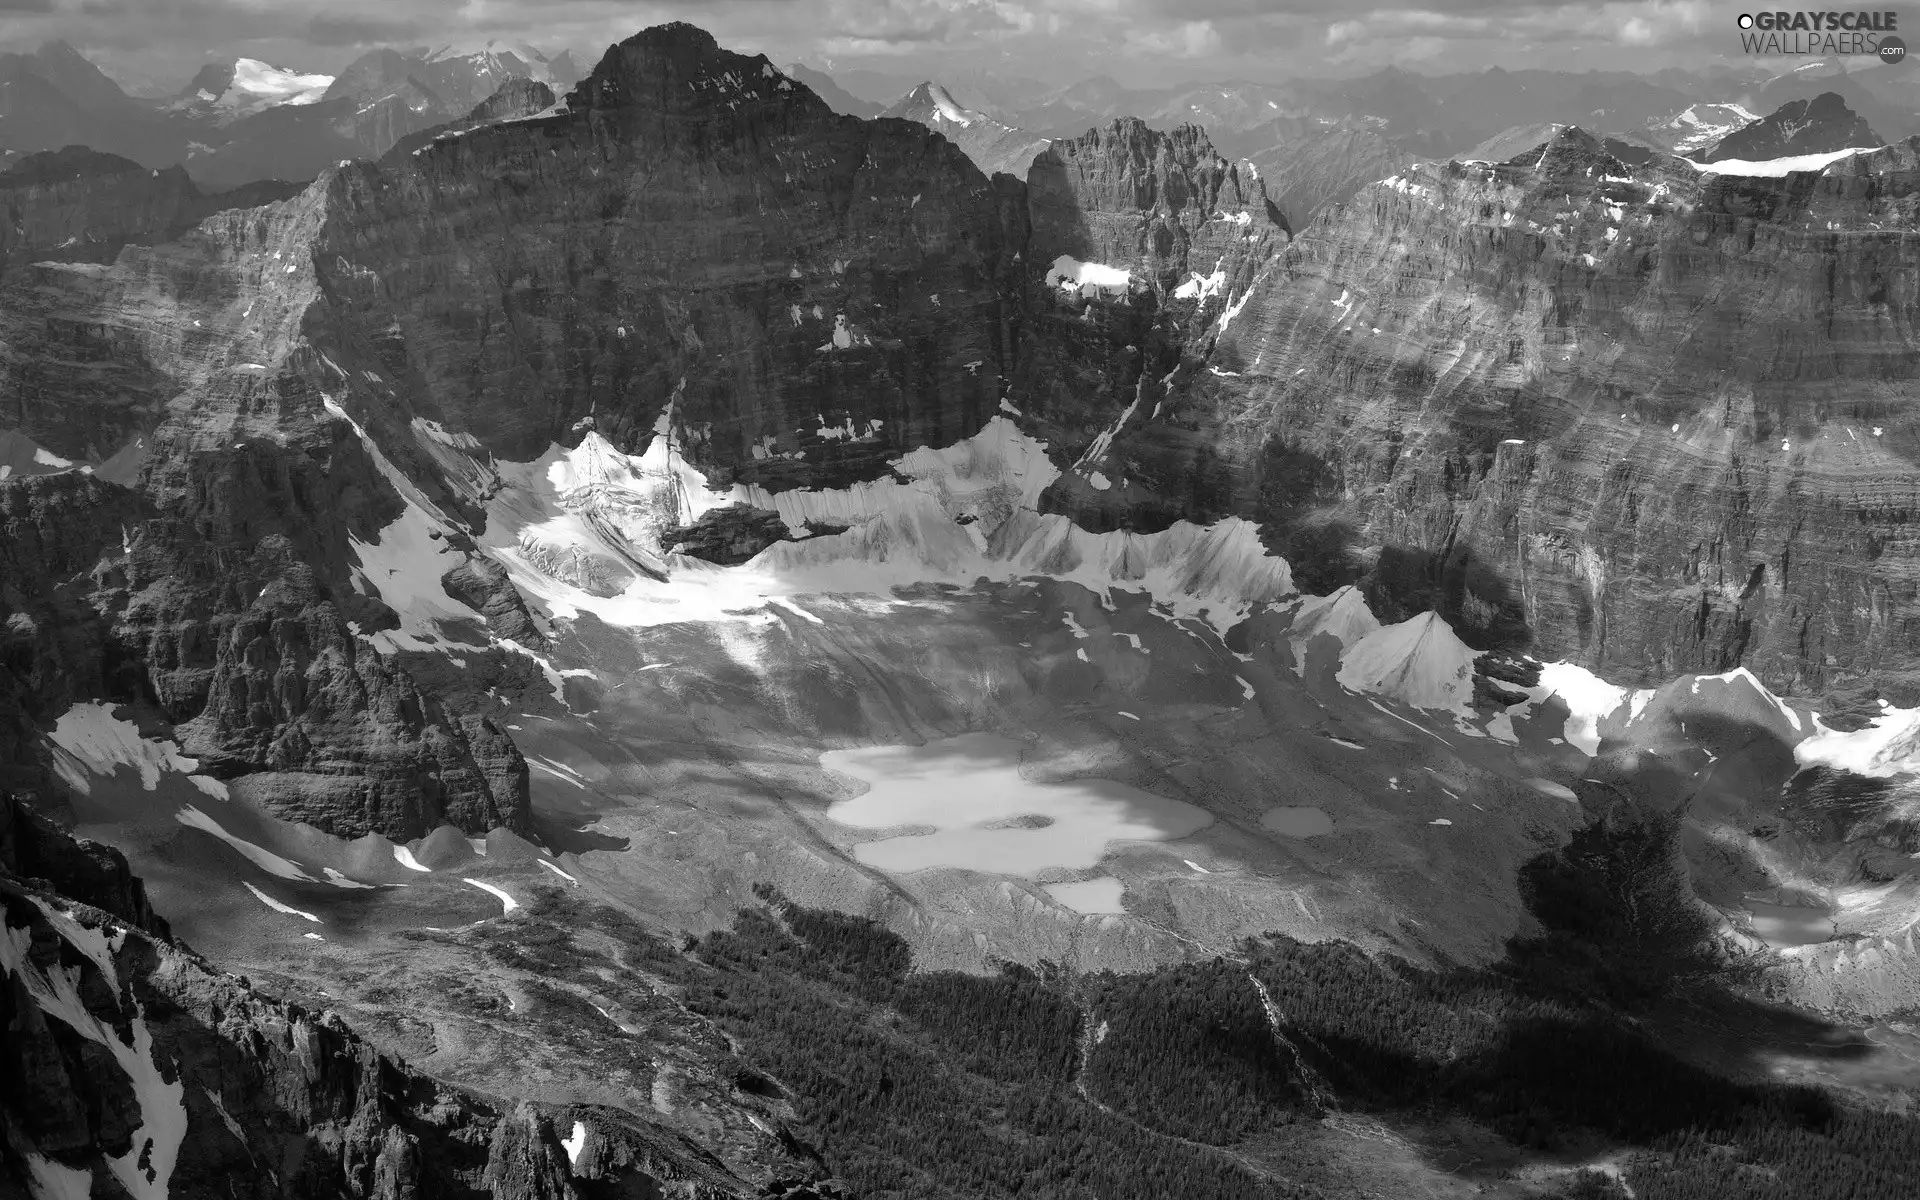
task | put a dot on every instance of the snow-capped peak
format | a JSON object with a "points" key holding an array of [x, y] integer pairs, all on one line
{"points": [[493, 48], [1701, 126], [945, 108], [260, 85]]}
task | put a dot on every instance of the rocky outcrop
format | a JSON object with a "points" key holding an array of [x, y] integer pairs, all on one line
{"points": [[994, 146], [1797, 127], [132, 1065], [35, 850], [728, 536], [1162, 205]]}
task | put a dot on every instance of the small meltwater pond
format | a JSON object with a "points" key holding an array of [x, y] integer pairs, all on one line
{"points": [[1781, 925], [1090, 896], [984, 816]]}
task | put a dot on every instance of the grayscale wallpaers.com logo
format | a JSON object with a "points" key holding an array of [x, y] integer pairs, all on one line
{"points": [[1818, 34]]}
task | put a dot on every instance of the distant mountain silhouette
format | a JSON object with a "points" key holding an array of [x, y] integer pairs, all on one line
{"points": [[1814, 126]]}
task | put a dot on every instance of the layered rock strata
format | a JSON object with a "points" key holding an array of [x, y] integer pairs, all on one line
{"points": [[1646, 419]]}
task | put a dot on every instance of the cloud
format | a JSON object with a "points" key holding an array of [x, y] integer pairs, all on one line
{"points": [[1345, 31], [1189, 39], [361, 30], [1141, 42]]}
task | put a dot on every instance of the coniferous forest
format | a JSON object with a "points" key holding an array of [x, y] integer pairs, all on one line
{"points": [[1208, 1079]]}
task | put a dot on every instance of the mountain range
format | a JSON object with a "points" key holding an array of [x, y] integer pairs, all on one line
{"points": [[652, 635], [244, 121]]}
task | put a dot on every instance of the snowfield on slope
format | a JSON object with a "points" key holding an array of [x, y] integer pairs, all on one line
{"points": [[580, 530], [1777, 168], [954, 514], [1069, 274]]}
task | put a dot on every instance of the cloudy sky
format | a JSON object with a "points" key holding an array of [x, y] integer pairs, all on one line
{"points": [[1137, 41]]}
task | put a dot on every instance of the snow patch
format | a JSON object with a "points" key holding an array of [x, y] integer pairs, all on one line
{"points": [[1589, 700], [259, 856], [403, 567], [145, 1171], [259, 85], [507, 901], [845, 336], [1233, 309], [575, 1142], [277, 906], [1199, 287], [1888, 746], [1069, 274], [405, 858], [1776, 168], [92, 741]]}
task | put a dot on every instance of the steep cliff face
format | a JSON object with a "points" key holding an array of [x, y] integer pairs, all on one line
{"points": [[1653, 420], [189, 540], [693, 227], [34, 849], [134, 1066], [1141, 245]]}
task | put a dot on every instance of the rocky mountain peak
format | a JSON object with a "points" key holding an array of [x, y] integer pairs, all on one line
{"points": [[517, 97], [75, 77], [943, 103], [994, 146], [1556, 153], [1820, 125], [1574, 151], [213, 79], [1129, 167], [678, 68]]}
